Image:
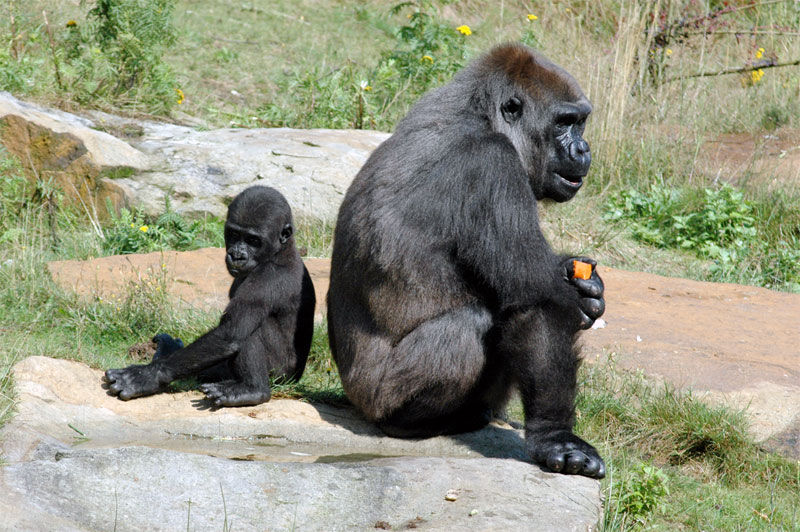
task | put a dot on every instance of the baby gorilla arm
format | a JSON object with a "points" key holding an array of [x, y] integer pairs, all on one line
{"points": [[141, 380]]}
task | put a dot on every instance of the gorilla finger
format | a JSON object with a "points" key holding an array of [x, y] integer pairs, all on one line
{"points": [[595, 468], [592, 287], [586, 321], [593, 308]]}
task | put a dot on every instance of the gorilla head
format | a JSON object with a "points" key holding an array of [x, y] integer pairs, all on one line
{"points": [[259, 226], [542, 110]]}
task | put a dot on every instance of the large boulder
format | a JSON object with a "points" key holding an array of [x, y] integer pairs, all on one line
{"points": [[142, 163], [78, 459], [64, 148]]}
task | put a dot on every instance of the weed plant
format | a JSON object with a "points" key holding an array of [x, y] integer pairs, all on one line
{"points": [[674, 462]]}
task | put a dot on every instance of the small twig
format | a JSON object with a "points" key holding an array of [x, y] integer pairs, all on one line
{"points": [[53, 50], [756, 66], [746, 32], [13, 28]]}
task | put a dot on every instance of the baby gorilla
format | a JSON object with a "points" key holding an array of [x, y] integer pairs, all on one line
{"points": [[266, 328]]}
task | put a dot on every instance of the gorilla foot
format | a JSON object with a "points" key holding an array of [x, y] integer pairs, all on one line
{"points": [[133, 381], [563, 452], [232, 393]]}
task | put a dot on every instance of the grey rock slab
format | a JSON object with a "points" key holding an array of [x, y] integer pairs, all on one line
{"points": [[201, 171], [78, 459]]}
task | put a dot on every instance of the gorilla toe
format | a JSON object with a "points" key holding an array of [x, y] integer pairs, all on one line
{"points": [[563, 452]]}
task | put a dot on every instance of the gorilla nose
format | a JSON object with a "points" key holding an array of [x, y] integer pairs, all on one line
{"points": [[580, 149]]}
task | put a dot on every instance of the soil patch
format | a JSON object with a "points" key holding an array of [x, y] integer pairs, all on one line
{"points": [[734, 344]]}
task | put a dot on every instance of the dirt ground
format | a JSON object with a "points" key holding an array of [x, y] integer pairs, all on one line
{"points": [[765, 157], [739, 345]]}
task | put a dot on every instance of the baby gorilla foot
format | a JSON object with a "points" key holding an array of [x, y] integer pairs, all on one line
{"points": [[134, 381], [233, 393], [563, 452]]}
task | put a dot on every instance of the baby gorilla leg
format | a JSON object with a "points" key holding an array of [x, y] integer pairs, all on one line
{"points": [[250, 369], [431, 379]]}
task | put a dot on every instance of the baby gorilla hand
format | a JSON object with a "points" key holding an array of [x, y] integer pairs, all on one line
{"points": [[592, 304], [134, 381]]}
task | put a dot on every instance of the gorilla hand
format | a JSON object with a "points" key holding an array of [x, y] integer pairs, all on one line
{"points": [[135, 381], [563, 452], [592, 304]]}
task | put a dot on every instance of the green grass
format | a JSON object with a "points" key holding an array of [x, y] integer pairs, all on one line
{"points": [[673, 461]]}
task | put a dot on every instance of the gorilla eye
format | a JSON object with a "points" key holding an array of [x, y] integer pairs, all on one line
{"points": [[252, 241], [511, 109]]}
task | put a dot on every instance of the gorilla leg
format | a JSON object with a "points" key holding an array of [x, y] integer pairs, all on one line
{"points": [[430, 381], [541, 352], [250, 369]]}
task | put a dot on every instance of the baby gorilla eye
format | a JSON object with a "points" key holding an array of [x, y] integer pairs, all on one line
{"points": [[252, 241]]}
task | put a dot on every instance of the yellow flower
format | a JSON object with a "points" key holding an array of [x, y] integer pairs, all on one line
{"points": [[760, 53], [71, 23], [756, 75], [181, 96], [532, 17], [132, 225], [427, 58], [143, 229], [464, 29], [668, 51]]}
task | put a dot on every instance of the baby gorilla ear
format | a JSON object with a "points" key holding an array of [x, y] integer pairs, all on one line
{"points": [[286, 232]]}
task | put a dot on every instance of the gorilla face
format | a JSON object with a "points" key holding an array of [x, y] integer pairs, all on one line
{"points": [[549, 140], [258, 226], [570, 156], [243, 248]]}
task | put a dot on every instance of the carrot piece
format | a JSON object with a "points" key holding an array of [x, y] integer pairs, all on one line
{"points": [[581, 270]]}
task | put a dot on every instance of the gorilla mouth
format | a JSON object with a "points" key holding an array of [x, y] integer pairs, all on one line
{"points": [[572, 181]]}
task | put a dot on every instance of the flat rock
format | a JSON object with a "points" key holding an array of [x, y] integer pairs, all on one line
{"points": [[65, 148], [202, 171], [78, 459], [732, 344]]}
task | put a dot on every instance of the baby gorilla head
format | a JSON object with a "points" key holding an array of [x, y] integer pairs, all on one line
{"points": [[258, 227]]}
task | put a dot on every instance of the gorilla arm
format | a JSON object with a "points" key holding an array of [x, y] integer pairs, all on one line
{"points": [[213, 347]]}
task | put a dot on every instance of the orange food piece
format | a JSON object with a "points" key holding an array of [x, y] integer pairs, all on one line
{"points": [[581, 270]]}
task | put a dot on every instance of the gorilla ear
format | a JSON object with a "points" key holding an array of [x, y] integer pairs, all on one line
{"points": [[286, 232]]}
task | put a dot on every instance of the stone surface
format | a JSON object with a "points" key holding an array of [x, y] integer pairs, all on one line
{"points": [[78, 459], [201, 171], [139, 163], [52, 144], [733, 344]]}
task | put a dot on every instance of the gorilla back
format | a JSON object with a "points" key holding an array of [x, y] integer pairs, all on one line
{"points": [[444, 294]]}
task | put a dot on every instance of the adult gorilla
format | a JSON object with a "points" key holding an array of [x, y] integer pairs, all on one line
{"points": [[444, 293]]}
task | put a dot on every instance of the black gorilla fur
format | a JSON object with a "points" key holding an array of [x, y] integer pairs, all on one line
{"points": [[266, 328], [444, 293]]}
